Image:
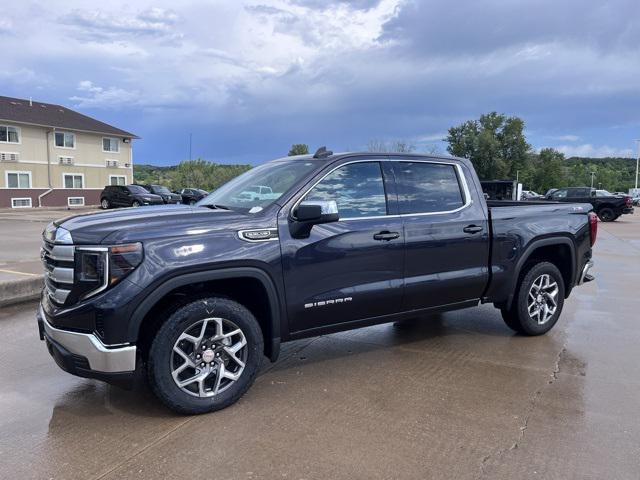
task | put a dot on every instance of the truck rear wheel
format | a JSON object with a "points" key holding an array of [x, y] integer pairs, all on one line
{"points": [[538, 302], [205, 356], [607, 215]]}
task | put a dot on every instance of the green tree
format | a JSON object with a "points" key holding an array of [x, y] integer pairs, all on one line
{"points": [[494, 143], [395, 146], [549, 171], [298, 149]]}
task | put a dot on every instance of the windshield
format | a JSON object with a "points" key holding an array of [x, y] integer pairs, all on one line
{"points": [[259, 187], [159, 189], [137, 189]]}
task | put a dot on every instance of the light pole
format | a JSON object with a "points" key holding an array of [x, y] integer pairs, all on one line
{"points": [[592, 175], [637, 162]]}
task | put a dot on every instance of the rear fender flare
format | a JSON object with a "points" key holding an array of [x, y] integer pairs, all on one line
{"points": [[534, 245]]}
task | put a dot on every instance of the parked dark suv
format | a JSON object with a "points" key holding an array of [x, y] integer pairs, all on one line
{"points": [[167, 195], [607, 206], [127, 196], [192, 195], [196, 296]]}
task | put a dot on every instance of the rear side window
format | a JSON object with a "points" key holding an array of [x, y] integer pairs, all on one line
{"points": [[357, 188], [428, 187], [577, 192]]}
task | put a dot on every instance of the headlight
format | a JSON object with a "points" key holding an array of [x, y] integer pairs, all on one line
{"points": [[123, 259], [100, 267]]}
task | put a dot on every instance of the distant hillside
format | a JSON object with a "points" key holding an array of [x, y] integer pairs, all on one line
{"points": [[192, 173], [613, 174]]}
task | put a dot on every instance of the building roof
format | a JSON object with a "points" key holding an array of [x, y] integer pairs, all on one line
{"points": [[50, 115]]}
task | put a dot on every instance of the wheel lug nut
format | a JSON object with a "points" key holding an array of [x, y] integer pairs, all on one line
{"points": [[198, 356], [202, 364]]}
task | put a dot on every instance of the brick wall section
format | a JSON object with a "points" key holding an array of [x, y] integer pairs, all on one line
{"points": [[56, 198]]}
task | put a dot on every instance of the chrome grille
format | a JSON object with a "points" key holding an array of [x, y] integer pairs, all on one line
{"points": [[58, 267]]}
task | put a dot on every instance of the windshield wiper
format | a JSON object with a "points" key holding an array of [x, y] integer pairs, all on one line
{"points": [[215, 206]]}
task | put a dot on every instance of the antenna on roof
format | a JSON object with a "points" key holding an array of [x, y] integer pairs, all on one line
{"points": [[322, 152]]}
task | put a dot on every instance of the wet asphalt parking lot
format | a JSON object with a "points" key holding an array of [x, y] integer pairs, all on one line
{"points": [[451, 396]]}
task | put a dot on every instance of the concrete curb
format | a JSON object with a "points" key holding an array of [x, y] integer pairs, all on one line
{"points": [[22, 290]]}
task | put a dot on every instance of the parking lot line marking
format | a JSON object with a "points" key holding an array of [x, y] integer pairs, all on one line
{"points": [[20, 273]]}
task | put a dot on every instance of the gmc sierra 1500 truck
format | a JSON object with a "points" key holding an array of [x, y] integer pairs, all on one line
{"points": [[195, 296]]}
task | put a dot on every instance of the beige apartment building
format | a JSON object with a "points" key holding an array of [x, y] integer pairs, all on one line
{"points": [[53, 156]]}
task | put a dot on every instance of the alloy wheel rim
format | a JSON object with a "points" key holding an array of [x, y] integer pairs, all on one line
{"points": [[208, 357], [543, 299]]}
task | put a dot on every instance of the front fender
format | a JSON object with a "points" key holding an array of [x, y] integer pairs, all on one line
{"points": [[272, 344]]}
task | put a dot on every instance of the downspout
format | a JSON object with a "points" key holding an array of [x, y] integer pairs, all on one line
{"points": [[42, 195]]}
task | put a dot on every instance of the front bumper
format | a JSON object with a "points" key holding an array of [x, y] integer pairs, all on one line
{"points": [[84, 355]]}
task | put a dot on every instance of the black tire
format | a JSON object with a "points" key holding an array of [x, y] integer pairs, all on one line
{"points": [[135, 203], [517, 317], [104, 203], [160, 355], [607, 215]]}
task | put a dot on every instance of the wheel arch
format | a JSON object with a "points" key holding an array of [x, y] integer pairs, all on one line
{"points": [[558, 250], [257, 287]]}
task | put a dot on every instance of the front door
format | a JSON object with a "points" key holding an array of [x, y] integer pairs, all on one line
{"points": [[446, 234], [351, 269]]}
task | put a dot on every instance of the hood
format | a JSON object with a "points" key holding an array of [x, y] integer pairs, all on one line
{"points": [[138, 224], [148, 196]]}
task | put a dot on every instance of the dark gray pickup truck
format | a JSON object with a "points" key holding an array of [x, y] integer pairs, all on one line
{"points": [[194, 296]]}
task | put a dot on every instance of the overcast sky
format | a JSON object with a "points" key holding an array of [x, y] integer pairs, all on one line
{"points": [[248, 79]]}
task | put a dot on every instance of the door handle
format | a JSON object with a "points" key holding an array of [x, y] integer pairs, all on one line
{"points": [[386, 235], [472, 229]]}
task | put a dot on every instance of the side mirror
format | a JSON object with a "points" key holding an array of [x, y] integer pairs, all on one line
{"points": [[312, 213]]}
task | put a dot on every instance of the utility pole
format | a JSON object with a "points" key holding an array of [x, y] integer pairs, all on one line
{"points": [[592, 175]]}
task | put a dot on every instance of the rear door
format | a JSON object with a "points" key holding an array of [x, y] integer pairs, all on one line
{"points": [[446, 234], [351, 269]]}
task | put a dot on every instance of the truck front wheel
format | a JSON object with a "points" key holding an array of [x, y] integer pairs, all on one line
{"points": [[538, 301], [205, 356]]}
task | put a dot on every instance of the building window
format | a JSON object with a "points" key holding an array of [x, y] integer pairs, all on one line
{"points": [[9, 134], [73, 180], [66, 160], [75, 201], [110, 145], [117, 180], [112, 163], [21, 203], [18, 179], [65, 140]]}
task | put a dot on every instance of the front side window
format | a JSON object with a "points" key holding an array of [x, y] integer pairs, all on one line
{"points": [[18, 180], [428, 187], [110, 145], [117, 180], [357, 188], [559, 194], [73, 181], [9, 134], [65, 140]]}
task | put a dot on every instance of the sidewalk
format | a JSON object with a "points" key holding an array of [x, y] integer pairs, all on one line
{"points": [[21, 275]]}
